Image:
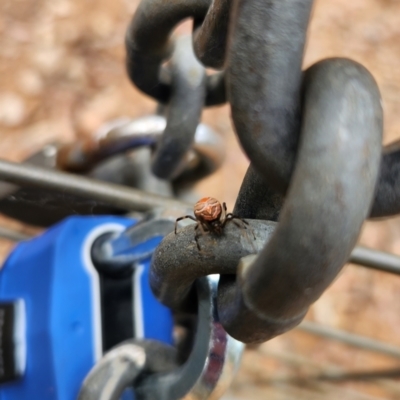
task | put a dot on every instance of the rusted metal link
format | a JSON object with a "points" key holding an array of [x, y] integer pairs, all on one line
{"points": [[117, 196], [148, 46], [329, 198], [205, 156], [188, 79], [256, 199], [122, 365], [387, 193], [210, 37], [265, 74], [177, 262], [264, 65], [330, 119]]}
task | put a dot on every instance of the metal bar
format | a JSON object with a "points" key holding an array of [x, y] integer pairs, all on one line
{"points": [[356, 375], [109, 193], [321, 370], [343, 376], [375, 259], [350, 339], [13, 235], [120, 196]]}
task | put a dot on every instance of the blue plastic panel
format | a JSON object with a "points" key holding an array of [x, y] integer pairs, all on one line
{"points": [[55, 279]]}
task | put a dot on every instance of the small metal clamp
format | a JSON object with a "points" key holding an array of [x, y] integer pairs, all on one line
{"points": [[206, 374]]}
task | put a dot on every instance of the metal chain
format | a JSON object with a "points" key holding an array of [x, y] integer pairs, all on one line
{"points": [[314, 141], [148, 46], [188, 80], [313, 138]]}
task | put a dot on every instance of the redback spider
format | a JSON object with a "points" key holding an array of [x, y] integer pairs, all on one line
{"points": [[210, 217]]}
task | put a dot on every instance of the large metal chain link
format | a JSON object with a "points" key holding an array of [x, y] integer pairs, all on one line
{"points": [[148, 46], [314, 141]]}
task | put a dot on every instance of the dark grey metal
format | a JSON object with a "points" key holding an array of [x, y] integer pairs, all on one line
{"points": [[177, 262], [42, 207], [114, 252], [387, 193], [188, 79], [61, 182], [120, 367], [328, 120], [336, 376], [212, 363], [207, 372], [264, 82], [375, 259], [256, 199], [13, 235], [329, 196], [388, 373], [45, 207], [351, 339], [211, 35], [264, 65], [320, 221], [205, 155], [148, 45], [135, 172], [113, 373]]}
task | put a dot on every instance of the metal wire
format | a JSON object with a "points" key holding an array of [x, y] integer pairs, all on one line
{"points": [[28, 175], [112, 194], [375, 259], [351, 339], [12, 234]]}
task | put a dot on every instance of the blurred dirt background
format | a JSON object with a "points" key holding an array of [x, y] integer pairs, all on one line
{"points": [[62, 75]]}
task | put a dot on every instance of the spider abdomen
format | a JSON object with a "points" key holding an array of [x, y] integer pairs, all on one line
{"points": [[208, 209]]}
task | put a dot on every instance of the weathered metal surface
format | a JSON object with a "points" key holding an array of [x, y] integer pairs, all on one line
{"points": [[177, 262], [322, 215], [210, 36], [188, 78], [115, 195], [148, 45]]}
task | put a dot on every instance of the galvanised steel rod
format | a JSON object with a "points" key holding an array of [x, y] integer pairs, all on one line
{"points": [[109, 193], [120, 196], [341, 376], [131, 199], [375, 259], [357, 375], [326, 372], [351, 339], [12, 234]]}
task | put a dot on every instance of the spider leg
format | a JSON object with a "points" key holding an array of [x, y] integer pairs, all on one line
{"points": [[181, 218], [237, 224], [196, 236], [229, 217], [232, 217], [224, 210]]}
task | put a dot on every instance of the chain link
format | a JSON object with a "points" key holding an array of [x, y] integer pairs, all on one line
{"points": [[188, 79], [148, 46], [314, 141]]}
